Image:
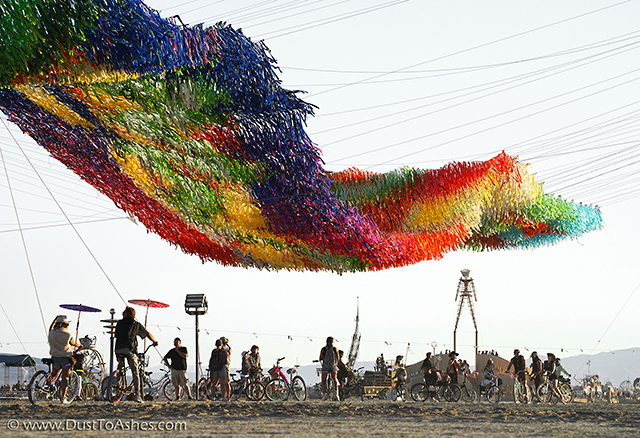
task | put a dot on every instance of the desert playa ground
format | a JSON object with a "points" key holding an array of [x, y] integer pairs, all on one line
{"points": [[317, 418]]}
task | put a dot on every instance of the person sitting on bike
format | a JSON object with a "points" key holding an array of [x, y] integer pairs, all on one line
{"points": [[127, 330], [400, 377], [329, 357], [560, 370], [343, 372], [431, 373], [61, 345], [381, 364], [550, 367], [488, 373], [253, 362], [178, 357], [537, 370], [452, 367], [519, 369]]}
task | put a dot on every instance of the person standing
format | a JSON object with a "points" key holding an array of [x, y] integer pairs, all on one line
{"points": [[452, 367], [219, 370], [178, 357], [61, 345], [329, 358], [253, 359], [127, 331]]}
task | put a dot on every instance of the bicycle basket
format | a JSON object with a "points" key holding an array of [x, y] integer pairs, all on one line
{"points": [[87, 342], [273, 372]]}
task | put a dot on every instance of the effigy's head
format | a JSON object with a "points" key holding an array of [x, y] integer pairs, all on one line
{"points": [[188, 130]]}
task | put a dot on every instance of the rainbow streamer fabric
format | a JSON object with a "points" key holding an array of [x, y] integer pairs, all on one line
{"points": [[188, 130]]}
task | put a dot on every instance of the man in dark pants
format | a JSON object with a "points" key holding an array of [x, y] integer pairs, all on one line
{"points": [[127, 329]]}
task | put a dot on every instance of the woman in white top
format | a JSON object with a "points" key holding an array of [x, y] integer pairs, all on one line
{"points": [[61, 345]]}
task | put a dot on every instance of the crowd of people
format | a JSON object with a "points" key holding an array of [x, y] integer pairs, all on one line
{"points": [[333, 370]]}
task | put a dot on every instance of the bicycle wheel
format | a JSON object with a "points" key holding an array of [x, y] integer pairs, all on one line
{"points": [[276, 390], [382, 394], [544, 394], [93, 367], [73, 386], [38, 388], [567, 392], [169, 391], [419, 392], [493, 394], [469, 395], [89, 391], [299, 388], [446, 393], [115, 387], [203, 389], [255, 391], [455, 393]]}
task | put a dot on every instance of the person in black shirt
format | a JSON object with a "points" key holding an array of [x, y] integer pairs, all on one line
{"points": [[536, 369], [127, 330], [430, 371], [178, 367], [519, 369]]}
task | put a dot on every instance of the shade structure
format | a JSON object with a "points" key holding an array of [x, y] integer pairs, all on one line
{"points": [[79, 308], [147, 304], [189, 130]]}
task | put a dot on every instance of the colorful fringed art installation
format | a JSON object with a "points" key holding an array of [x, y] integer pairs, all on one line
{"points": [[188, 130]]}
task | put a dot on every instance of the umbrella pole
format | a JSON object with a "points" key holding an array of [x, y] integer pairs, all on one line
{"points": [[144, 345], [78, 325]]}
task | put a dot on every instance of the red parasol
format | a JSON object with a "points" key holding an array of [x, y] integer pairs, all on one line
{"points": [[79, 308], [147, 304]]}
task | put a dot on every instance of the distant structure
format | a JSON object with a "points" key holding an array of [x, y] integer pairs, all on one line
{"points": [[466, 290], [355, 341]]}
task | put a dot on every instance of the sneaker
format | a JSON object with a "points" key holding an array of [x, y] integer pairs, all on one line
{"points": [[65, 401], [324, 396], [138, 399]]}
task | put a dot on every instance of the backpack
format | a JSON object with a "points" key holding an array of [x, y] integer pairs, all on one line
{"points": [[330, 358], [216, 363]]}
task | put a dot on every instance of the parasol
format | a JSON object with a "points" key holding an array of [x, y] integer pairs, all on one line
{"points": [[79, 308], [148, 303]]}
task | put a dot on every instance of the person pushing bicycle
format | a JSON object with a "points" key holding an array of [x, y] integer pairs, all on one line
{"points": [[519, 369], [61, 345]]}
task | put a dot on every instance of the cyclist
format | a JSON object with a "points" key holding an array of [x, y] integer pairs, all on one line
{"points": [[61, 345], [329, 357], [431, 374], [487, 376], [537, 369], [550, 367], [343, 372], [127, 330], [560, 370], [519, 364]]}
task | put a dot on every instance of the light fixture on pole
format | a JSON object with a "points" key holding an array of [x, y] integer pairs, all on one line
{"points": [[196, 304], [105, 392]]}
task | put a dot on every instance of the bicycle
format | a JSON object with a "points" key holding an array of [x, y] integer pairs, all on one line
{"points": [[567, 388], [423, 391], [278, 388], [467, 394], [45, 386], [355, 387], [117, 382], [493, 391], [548, 395], [520, 393]]}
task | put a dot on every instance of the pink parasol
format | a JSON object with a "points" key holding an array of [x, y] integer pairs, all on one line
{"points": [[148, 303], [79, 308]]}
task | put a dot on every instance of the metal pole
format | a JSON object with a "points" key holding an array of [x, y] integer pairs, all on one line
{"points": [[197, 358], [112, 342]]}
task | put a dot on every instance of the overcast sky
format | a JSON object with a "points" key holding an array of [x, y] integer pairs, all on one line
{"points": [[396, 83]]}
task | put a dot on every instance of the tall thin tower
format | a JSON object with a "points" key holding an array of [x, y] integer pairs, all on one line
{"points": [[466, 290], [355, 341]]}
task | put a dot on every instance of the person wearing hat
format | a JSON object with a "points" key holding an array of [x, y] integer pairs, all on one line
{"points": [[519, 369], [452, 367], [61, 345], [178, 357], [537, 370], [127, 331]]}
